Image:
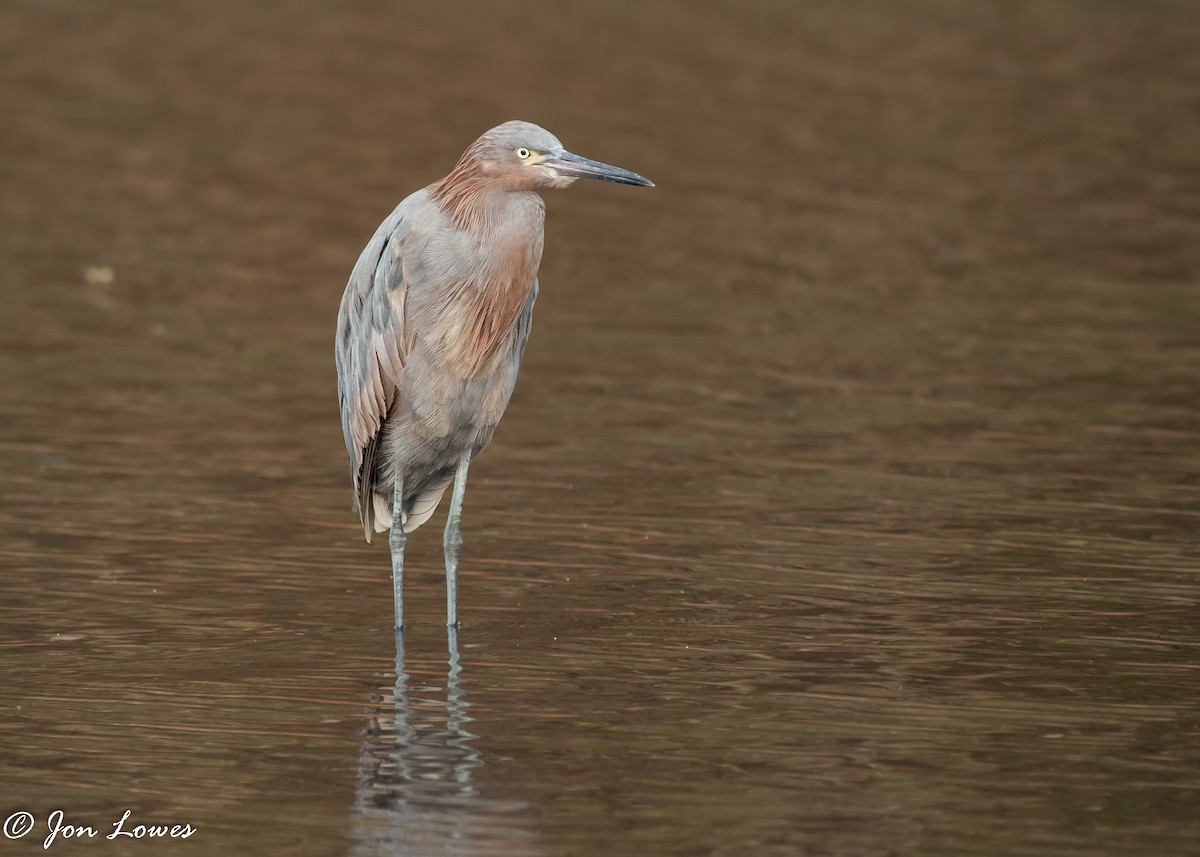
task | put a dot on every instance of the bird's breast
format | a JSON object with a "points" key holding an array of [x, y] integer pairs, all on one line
{"points": [[480, 318]]}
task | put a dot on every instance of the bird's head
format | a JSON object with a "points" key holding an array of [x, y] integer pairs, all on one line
{"points": [[523, 156]]}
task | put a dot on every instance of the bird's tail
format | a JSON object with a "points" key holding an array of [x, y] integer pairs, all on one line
{"points": [[419, 509]]}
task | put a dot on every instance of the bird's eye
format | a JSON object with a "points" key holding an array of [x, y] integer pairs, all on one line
{"points": [[523, 153]]}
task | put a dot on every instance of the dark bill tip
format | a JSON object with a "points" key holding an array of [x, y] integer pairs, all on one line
{"points": [[579, 167]]}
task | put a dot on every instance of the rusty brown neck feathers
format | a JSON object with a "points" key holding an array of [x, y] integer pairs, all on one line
{"points": [[484, 311]]}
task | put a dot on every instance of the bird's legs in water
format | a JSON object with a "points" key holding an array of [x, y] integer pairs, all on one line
{"points": [[452, 541], [398, 541]]}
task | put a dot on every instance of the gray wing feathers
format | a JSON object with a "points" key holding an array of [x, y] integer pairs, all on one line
{"points": [[371, 351]]}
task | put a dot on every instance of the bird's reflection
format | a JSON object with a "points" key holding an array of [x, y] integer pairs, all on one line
{"points": [[416, 792]]}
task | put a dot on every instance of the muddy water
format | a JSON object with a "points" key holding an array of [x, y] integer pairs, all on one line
{"points": [[847, 503]]}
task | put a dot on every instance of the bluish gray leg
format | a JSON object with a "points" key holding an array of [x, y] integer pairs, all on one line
{"points": [[452, 541], [398, 541]]}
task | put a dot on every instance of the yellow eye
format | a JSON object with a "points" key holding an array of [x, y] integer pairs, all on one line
{"points": [[523, 153]]}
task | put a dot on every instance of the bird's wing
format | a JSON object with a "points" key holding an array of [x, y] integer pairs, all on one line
{"points": [[371, 349]]}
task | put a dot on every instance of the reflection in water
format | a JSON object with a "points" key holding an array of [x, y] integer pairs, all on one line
{"points": [[416, 792]]}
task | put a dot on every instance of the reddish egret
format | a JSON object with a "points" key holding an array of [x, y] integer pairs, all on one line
{"points": [[432, 327]]}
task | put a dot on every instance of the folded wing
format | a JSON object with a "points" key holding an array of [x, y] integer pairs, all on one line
{"points": [[371, 350]]}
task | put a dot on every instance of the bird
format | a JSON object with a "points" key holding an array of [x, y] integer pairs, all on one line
{"points": [[432, 327]]}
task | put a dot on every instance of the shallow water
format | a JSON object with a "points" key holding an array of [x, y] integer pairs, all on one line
{"points": [[847, 503]]}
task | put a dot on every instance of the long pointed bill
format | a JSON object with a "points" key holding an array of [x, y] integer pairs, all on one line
{"points": [[570, 165]]}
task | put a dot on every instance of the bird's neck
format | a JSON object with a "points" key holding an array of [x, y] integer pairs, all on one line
{"points": [[475, 203], [485, 306]]}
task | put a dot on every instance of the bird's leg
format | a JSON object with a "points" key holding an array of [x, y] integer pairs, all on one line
{"points": [[398, 541], [453, 542]]}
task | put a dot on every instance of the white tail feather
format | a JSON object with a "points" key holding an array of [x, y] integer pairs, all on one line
{"points": [[425, 505], [422, 508], [383, 512]]}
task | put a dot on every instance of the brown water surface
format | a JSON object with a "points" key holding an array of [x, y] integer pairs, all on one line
{"points": [[847, 505]]}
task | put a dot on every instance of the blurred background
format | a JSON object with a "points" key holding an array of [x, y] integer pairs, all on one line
{"points": [[847, 503]]}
